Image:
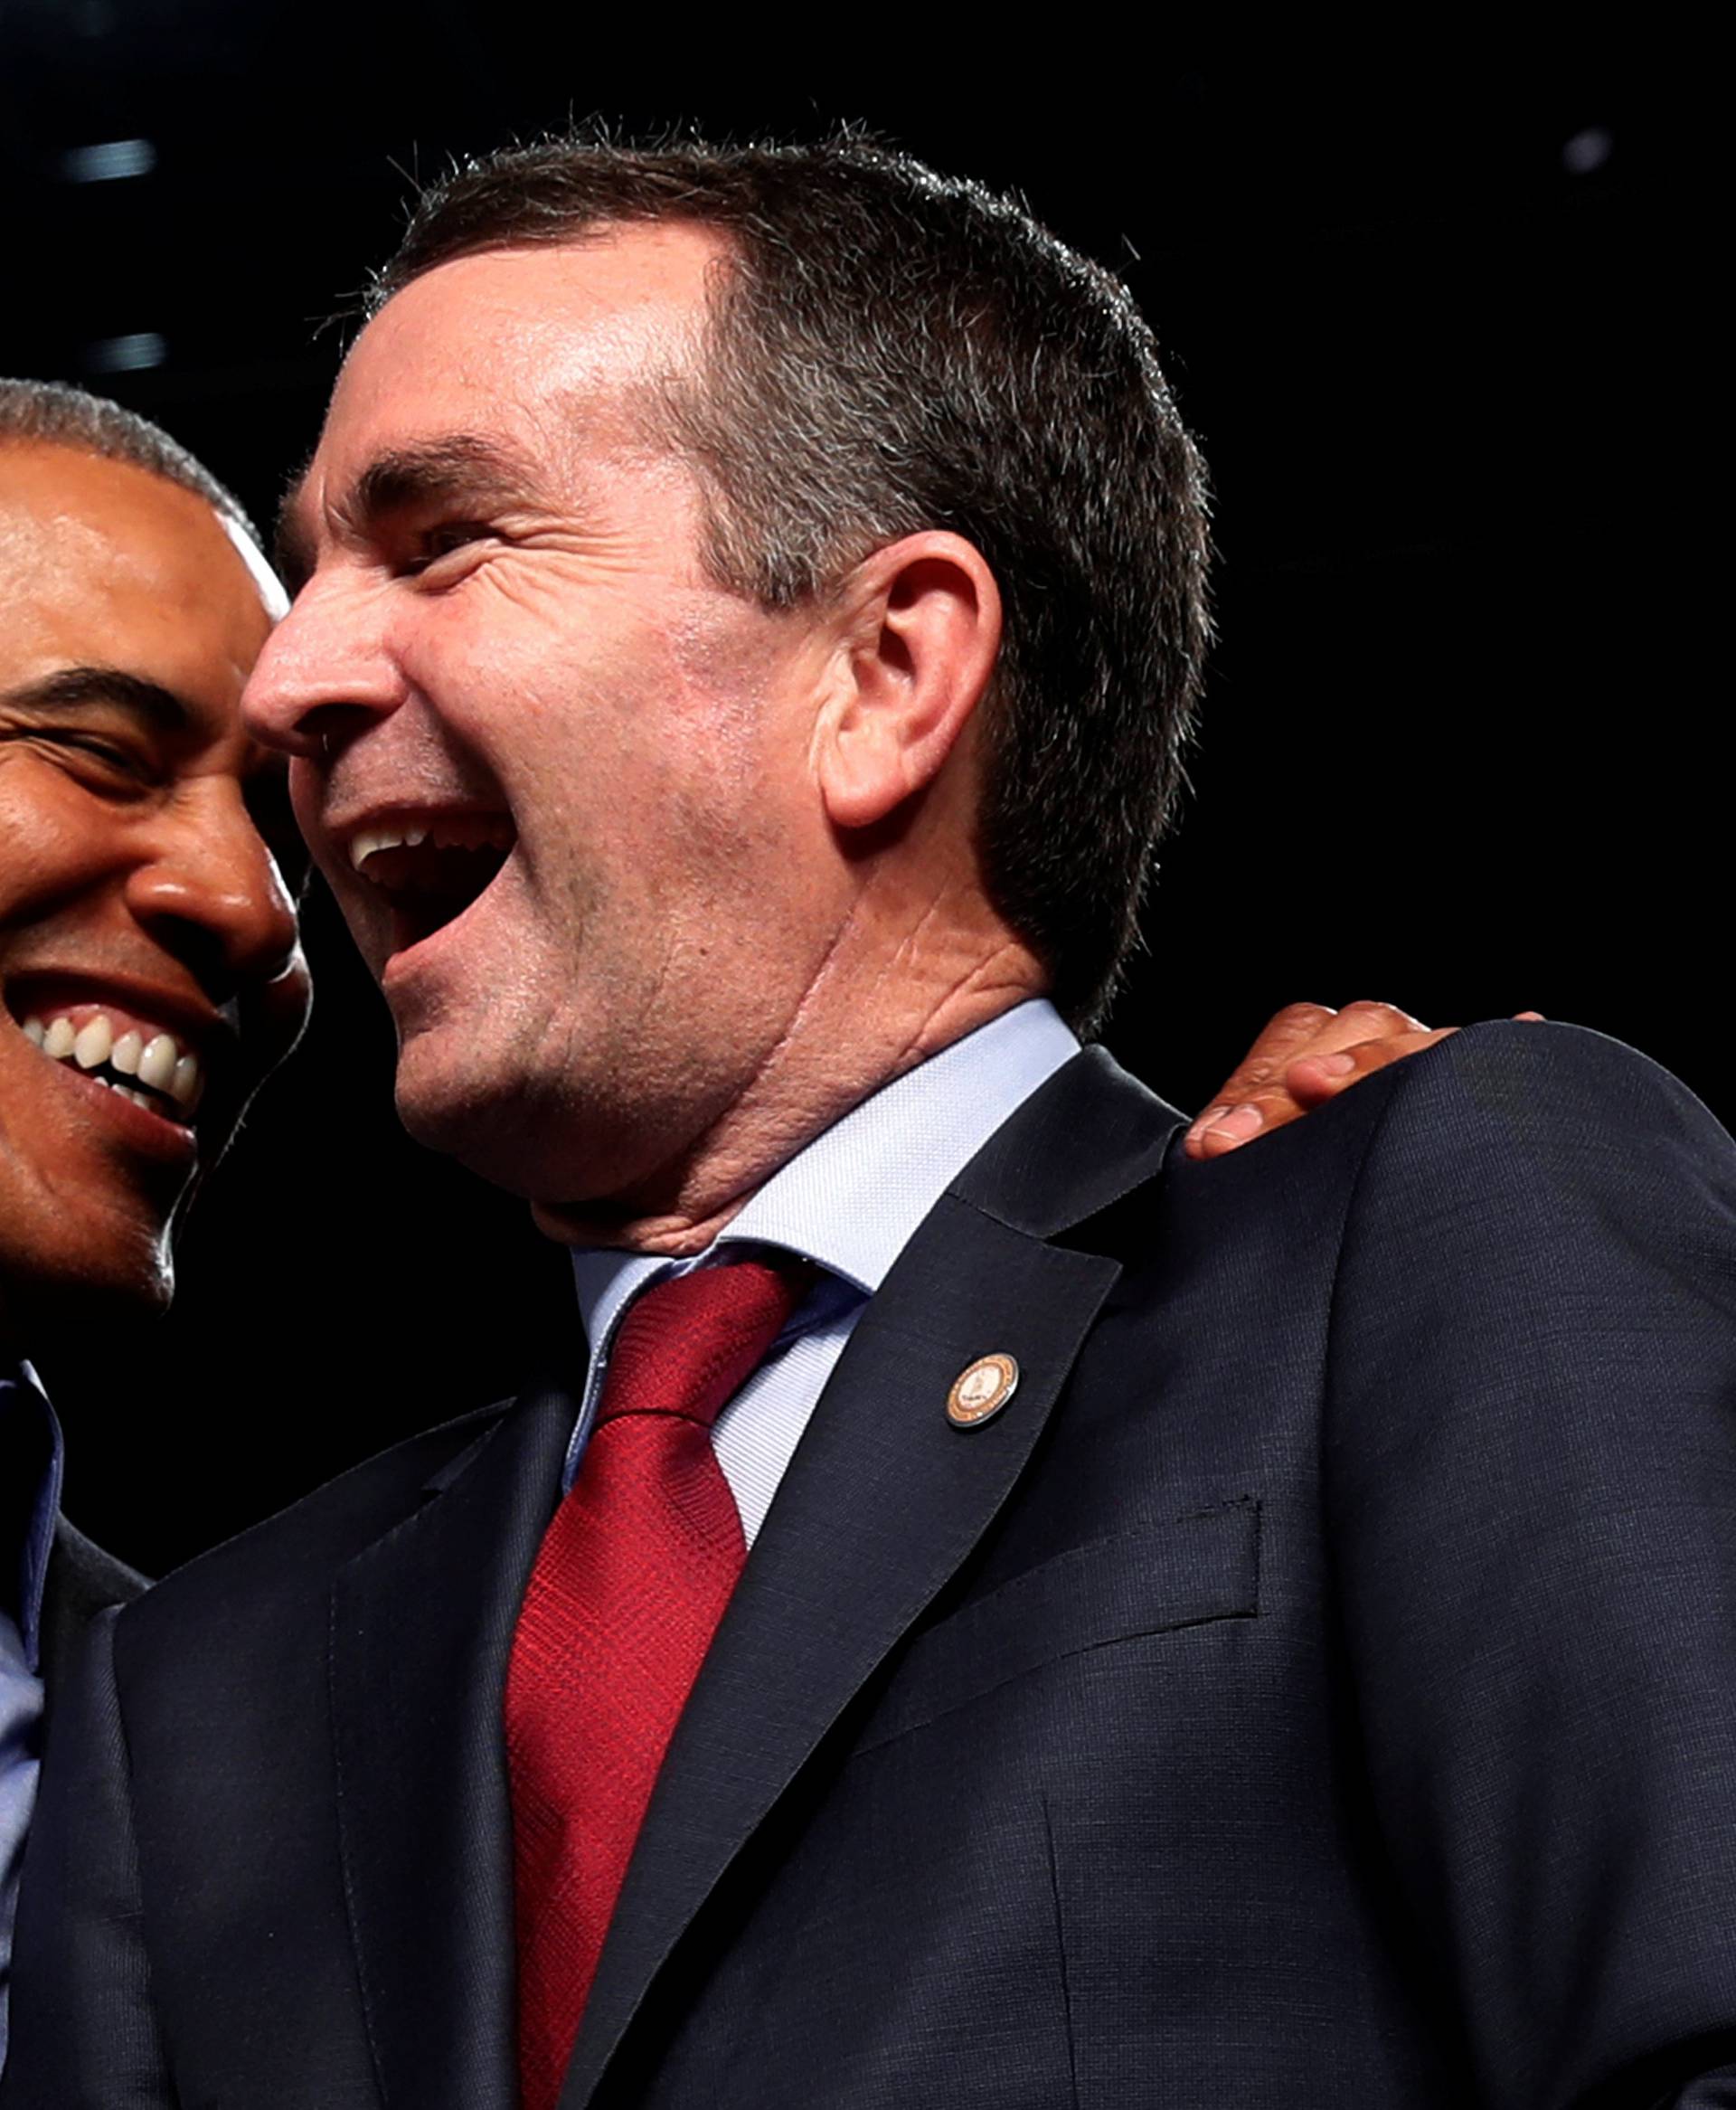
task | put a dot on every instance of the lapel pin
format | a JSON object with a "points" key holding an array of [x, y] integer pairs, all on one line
{"points": [[981, 1390]]}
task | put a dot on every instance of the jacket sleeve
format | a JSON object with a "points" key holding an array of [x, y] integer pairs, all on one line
{"points": [[1531, 1479], [84, 2035]]}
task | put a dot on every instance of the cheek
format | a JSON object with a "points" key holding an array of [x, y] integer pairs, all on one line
{"points": [[51, 836], [754, 688], [304, 793], [70, 1215], [479, 645], [523, 661]]}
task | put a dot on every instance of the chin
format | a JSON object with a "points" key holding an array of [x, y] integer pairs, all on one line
{"points": [[525, 1141], [137, 1277], [93, 1289], [464, 1115]]}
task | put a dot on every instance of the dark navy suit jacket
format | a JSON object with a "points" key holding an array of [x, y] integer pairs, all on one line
{"points": [[1316, 1687], [82, 1581]]}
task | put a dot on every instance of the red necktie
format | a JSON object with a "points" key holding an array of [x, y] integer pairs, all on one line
{"points": [[630, 1582]]}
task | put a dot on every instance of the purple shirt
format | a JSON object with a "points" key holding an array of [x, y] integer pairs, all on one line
{"points": [[30, 1500]]}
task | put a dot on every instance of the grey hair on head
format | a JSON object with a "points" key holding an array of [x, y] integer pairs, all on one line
{"points": [[51, 413]]}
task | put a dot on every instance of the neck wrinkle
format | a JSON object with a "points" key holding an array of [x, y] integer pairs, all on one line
{"points": [[680, 1231]]}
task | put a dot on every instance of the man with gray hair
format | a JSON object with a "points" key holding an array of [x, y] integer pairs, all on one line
{"points": [[1001, 1616], [149, 970], [147, 954], [146, 951]]}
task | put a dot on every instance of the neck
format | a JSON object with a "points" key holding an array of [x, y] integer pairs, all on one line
{"points": [[847, 1041]]}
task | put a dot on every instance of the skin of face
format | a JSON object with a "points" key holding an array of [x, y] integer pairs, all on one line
{"points": [[543, 641], [132, 873]]}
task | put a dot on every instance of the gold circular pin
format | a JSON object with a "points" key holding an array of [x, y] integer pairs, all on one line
{"points": [[981, 1389]]}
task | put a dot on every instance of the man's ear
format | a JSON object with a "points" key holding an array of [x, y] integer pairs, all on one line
{"points": [[920, 631]]}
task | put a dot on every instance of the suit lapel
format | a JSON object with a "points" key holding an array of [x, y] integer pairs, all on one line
{"points": [[881, 1503], [422, 1625], [82, 1580]]}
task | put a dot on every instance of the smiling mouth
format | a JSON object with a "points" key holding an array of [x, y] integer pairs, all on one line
{"points": [[148, 1066], [430, 870]]}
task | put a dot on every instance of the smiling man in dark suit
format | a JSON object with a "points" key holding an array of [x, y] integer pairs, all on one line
{"points": [[149, 954], [1004, 1615]]}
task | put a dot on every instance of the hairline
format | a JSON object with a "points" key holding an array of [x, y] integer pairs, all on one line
{"points": [[655, 397], [51, 413]]}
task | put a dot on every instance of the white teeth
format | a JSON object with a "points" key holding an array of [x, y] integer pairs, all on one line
{"points": [[93, 1043], [369, 839], [157, 1061], [457, 831], [156, 1065]]}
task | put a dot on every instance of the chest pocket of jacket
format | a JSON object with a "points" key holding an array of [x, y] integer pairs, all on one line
{"points": [[1200, 1567]]}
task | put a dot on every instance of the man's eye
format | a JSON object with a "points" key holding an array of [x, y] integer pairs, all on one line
{"points": [[444, 540], [108, 753]]}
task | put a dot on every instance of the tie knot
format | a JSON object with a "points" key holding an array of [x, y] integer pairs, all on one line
{"points": [[687, 1344]]}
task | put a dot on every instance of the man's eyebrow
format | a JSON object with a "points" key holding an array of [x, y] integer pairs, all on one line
{"points": [[90, 688], [457, 467]]}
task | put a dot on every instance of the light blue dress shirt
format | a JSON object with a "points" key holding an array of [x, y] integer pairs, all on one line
{"points": [[850, 1202], [30, 1503]]}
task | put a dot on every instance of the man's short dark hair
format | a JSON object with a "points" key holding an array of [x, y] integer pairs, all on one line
{"points": [[888, 350], [51, 413]]}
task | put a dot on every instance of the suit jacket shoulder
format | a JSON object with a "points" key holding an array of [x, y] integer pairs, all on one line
{"points": [[291, 1556], [1528, 1469], [1312, 1688]]}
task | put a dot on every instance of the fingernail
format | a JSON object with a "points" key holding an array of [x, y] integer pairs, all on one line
{"points": [[1240, 1123], [1334, 1065], [1211, 1115]]}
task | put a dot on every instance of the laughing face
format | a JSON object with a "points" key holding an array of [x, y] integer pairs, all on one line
{"points": [[558, 779], [149, 968]]}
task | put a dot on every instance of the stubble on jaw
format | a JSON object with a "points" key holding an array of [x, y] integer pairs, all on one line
{"points": [[794, 1096]]}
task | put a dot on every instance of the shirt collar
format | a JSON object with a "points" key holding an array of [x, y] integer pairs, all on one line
{"points": [[852, 1199], [30, 1463]]}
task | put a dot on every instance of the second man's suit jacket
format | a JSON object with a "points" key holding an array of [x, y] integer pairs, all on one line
{"points": [[1314, 1688], [82, 1581]]}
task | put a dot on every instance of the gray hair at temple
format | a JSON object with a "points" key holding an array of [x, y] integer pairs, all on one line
{"points": [[51, 413]]}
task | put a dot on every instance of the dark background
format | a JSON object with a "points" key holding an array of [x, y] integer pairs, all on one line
{"points": [[1430, 312]]}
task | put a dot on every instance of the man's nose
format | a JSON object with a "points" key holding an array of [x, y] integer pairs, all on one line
{"points": [[325, 673], [210, 893]]}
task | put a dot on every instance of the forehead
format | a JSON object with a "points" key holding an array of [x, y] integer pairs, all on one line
{"points": [[107, 564], [510, 341]]}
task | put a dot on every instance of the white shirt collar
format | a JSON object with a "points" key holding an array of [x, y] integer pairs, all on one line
{"points": [[853, 1197]]}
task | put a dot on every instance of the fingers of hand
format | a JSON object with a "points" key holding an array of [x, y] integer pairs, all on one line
{"points": [[1313, 1079], [1366, 1020], [1223, 1128], [1296, 1030], [1307, 1055]]}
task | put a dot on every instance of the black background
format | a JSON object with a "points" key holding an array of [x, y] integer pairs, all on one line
{"points": [[1431, 312]]}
